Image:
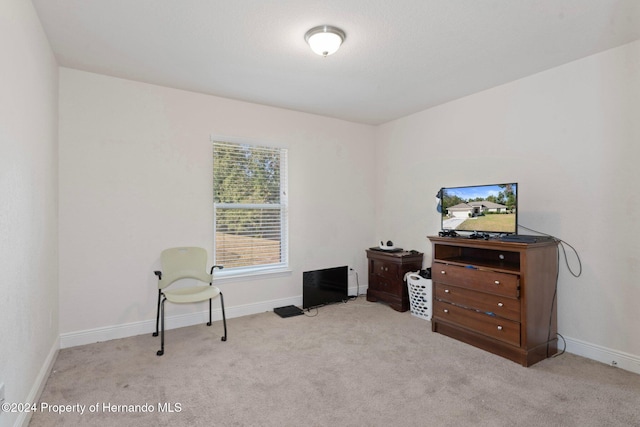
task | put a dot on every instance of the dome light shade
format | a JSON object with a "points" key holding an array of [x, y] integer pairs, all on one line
{"points": [[325, 40]]}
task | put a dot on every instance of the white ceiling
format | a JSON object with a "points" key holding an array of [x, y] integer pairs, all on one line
{"points": [[399, 57]]}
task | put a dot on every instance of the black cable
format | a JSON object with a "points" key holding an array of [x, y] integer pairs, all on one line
{"points": [[354, 297], [553, 302], [561, 244], [564, 343], [309, 309], [357, 285]]}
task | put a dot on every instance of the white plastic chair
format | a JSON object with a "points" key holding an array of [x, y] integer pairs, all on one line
{"points": [[185, 263]]}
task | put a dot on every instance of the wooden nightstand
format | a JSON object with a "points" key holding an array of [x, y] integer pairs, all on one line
{"points": [[386, 276]]}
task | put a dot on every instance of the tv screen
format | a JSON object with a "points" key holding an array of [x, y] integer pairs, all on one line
{"points": [[490, 209], [322, 287]]}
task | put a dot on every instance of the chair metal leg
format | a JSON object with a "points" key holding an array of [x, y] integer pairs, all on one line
{"points": [[161, 320], [161, 351], [224, 318], [155, 334]]}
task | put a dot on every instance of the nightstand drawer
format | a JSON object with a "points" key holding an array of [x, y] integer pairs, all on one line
{"points": [[384, 284], [481, 280], [501, 306], [504, 330], [385, 269]]}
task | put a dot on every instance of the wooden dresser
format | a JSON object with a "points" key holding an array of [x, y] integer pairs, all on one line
{"points": [[498, 296], [386, 276]]}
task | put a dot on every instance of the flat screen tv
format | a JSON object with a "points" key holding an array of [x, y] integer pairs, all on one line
{"points": [[486, 209], [326, 286]]}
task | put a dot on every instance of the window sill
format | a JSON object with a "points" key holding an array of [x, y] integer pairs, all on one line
{"points": [[228, 276]]}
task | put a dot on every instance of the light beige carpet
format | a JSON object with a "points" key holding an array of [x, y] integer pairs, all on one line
{"points": [[354, 364]]}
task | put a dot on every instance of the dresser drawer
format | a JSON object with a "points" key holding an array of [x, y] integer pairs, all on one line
{"points": [[481, 280], [508, 308], [504, 330]]}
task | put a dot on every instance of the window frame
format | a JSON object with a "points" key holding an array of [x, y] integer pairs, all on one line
{"points": [[262, 269]]}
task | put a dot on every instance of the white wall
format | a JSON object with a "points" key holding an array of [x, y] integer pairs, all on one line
{"points": [[28, 205], [570, 137], [135, 178], [135, 172]]}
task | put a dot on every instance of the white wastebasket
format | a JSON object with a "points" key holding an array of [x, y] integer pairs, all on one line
{"points": [[420, 298]]}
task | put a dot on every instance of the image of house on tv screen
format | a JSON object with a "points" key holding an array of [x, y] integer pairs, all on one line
{"points": [[480, 208]]}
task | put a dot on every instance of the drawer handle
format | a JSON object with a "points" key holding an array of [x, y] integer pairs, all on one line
{"points": [[443, 272], [445, 310], [497, 282], [500, 304], [499, 327], [446, 291]]}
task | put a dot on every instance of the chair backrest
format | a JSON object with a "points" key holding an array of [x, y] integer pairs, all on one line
{"points": [[183, 263]]}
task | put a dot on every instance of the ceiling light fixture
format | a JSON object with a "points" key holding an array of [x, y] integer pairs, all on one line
{"points": [[325, 39]]}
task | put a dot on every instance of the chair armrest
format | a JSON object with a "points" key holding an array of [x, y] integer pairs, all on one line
{"points": [[216, 266], [159, 274]]}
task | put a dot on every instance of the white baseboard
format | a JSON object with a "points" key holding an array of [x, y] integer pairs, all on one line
{"points": [[626, 361], [38, 385], [619, 359], [89, 336]]}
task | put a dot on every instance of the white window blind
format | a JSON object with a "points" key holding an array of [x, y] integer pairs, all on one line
{"points": [[250, 206]]}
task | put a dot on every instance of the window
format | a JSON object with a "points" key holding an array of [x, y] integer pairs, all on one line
{"points": [[250, 207]]}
